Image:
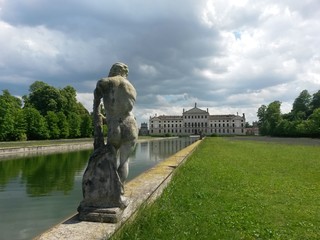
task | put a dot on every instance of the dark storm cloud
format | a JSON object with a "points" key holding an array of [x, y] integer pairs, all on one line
{"points": [[168, 38]]}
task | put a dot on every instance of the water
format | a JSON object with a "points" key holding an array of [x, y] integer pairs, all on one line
{"points": [[37, 192]]}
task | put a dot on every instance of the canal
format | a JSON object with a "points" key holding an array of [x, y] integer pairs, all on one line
{"points": [[39, 191]]}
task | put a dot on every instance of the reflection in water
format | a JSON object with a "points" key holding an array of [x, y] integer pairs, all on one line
{"points": [[44, 174], [149, 153], [37, 192]]}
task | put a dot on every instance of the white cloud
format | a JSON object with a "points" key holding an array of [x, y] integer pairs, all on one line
{"points": [[86, 99], [148, 70]]}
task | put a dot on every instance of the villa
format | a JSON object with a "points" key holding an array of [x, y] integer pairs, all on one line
{"points": [[197, 121]]}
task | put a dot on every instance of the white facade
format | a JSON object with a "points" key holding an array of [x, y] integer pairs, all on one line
{"points": [[197, 121]]}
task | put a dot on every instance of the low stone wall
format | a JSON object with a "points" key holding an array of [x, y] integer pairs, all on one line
{"points": [[21, 151], [142, 190]]}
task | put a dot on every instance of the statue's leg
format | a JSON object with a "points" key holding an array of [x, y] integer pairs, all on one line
{"points": [[123, 169], [129, 136], [125, 151]]}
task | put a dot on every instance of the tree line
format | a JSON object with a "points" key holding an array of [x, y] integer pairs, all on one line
{"points": [[302, 121], [45, 113]]}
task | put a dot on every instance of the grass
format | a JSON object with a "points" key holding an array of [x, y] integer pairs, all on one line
{"points": [[237, 190]]}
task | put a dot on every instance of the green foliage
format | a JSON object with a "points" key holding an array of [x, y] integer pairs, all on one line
{"points": [[315, 102], [11, 122], [302, 121], [74, 121], [263, 121], [19, 132], [53, 124], [273, 114], [236, 190], [63, 125], [269, 118], [48, 113], [69, 101], [36, 125], [86, 126], [301, 106], [44, 98], [314, 123]]}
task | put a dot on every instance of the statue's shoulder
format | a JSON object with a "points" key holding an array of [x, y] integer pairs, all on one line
{"points": [[103, 80], [115, 81]]}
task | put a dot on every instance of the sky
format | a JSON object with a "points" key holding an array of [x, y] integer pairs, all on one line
{"points": [[230, 56]]}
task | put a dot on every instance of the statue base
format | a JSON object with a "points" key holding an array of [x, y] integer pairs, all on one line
{"points": [[98, 211], [105, 215]]}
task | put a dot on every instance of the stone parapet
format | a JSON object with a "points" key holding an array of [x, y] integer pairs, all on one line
{"points": [[21, 151]]}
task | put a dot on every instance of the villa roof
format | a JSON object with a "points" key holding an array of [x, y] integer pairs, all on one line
{"points": [[226, 116], [195, 110], [167, 117]]}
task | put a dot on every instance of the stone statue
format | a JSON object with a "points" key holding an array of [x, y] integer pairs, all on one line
{"points": [[108, 167]]}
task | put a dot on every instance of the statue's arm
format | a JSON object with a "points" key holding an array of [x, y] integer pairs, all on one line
{"points": [[97, 118]]}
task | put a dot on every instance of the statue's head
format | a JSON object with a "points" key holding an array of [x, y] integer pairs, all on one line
{"points": [[119, 69]]}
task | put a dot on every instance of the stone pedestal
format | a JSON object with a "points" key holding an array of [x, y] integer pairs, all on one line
{"points": [[102, 189], [107, 215]]}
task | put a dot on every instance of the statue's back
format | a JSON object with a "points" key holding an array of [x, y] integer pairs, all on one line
{"points": [[118, 96]]}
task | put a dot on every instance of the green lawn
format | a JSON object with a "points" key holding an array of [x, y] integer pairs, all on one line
{"points": [[237, 190]]}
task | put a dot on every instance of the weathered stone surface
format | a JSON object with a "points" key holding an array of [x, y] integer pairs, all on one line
{"points": [[94, 214], [108, 166]]}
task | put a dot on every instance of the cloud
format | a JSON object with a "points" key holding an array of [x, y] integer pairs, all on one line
{"points": [[230, 56]]}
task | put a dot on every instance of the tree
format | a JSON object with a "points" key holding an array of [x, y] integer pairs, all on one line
{"points": [[315, 102], [86, 126], [53, 125], [74, 121], [301, 108], [314, 120], [36, 125], [65, 117], [11, 123], [44, 98], [63, 125], [269, 118], [69, 100], [19, 132], [263, 124], [302, 121], [286, 128], [37, 85], [273, 115]]}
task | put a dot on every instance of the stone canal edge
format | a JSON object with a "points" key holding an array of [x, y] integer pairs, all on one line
{"points": [[14, 152], [143, 189]]}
